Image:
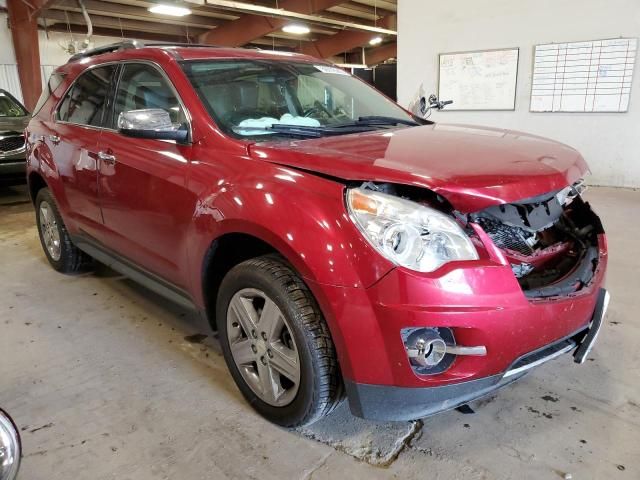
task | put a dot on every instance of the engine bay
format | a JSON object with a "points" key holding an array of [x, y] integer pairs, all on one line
{"points": [[551, 241]]}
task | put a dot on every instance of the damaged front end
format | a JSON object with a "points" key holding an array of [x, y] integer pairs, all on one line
{"points": [[551, 241]]}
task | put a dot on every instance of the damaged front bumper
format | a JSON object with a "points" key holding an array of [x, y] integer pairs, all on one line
{"points": [[393, 403], [519, 321]]}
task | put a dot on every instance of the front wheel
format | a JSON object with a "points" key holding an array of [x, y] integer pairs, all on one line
{"points": [[276, 343]]}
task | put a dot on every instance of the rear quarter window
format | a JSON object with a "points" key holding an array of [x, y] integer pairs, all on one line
{"points": [[55, 80], [86, 100]]}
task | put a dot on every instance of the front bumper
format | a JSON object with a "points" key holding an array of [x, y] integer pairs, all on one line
{"points": [[391, 403], [481, 302]]}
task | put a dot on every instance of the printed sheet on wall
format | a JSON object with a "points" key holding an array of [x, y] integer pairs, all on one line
{"points": [[593, 76], [482, 80]]}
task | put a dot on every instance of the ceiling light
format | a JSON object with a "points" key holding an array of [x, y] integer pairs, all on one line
{"points": [[296, 29], [173, 10], [375, 41], [353, 65]]}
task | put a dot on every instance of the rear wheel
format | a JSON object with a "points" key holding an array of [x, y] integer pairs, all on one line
{"points": [[276, 343], [62, 254]]}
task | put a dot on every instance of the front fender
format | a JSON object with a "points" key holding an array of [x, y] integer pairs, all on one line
{"points": [[300, 215]]}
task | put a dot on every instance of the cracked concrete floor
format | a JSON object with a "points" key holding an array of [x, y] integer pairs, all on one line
{"points": [[109, 381]]}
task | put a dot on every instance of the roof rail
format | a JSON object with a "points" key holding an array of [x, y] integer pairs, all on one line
{"points": [[113, 47], [129, 44]]}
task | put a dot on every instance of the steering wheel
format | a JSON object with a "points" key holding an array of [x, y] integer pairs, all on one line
{"points": [[317, 108]]}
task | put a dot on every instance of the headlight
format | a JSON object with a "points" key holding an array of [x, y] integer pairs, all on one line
{"points": [[407, 233]]}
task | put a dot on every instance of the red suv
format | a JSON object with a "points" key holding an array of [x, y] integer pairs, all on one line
{"points": [[337, 243]]}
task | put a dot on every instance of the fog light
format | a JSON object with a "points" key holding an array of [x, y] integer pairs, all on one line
{"points": [[427, 349], [433, 350]]}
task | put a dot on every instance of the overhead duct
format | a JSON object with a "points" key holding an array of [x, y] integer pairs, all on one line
{"points": [[87, 41]]}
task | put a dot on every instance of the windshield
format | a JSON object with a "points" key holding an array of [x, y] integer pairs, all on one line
{"points": [[262, 97], [9, 107]]}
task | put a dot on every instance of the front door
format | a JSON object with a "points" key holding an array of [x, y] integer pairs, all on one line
{"points": [[142, 183]]}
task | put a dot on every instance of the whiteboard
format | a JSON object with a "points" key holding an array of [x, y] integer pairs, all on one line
{"points": [[482, 80], [593, 76]]}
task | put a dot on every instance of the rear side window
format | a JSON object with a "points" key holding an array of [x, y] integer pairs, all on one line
{"points": [[54, 82], [86, 101]]}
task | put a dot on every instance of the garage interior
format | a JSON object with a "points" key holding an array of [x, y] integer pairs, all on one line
{"points": [[105, 379]]}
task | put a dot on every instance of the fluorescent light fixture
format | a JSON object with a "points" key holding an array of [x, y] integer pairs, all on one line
{"points": [[375, 40], [352, 65], [296, 29], [173, 10]]}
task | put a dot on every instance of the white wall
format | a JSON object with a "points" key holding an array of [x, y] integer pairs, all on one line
{"points": [[52, 53], [610, 142]]}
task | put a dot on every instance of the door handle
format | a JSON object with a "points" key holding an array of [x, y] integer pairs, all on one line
{"points": [[54, 139], [107, 157]]}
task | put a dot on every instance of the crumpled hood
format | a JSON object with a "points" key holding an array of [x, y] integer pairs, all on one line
{"points": [[13, 124], [472, 167]]}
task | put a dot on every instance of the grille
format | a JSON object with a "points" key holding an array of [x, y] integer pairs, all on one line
{"points": [[8, 144], [508, 237]]}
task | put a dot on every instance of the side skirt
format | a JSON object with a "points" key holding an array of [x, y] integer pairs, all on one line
{"points": [[136, 273]]}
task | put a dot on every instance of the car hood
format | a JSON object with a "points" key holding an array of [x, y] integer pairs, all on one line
{"points": [[13, 124], [472, 167]]}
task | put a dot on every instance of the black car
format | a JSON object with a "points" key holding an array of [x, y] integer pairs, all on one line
{"points": [[13, 120]]}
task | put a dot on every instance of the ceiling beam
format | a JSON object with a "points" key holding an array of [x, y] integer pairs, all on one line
{"points": [[62, 17], [359, 10], [250, 27], [374, 56], [95, 7], [343, 41], [113, 32]]}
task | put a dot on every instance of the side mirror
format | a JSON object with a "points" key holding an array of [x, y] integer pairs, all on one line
{"points": [[426, 105], [154, 123], [10, 448], [423, 106]]}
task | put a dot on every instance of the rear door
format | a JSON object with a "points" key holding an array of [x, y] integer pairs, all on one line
{"points": [[145, 203], [73, 142]]}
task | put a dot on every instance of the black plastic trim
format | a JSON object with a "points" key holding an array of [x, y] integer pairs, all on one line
{"points": [[136, 273], [391, 403]]}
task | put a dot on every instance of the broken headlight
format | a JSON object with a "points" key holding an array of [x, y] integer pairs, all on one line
{"points": [[407, 233]]}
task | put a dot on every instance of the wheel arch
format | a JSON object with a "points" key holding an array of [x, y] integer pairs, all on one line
{"points": [[35, 183], [224, 253]]}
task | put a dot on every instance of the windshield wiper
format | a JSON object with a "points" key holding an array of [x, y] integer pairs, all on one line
{"points": [[382, 120], [293, 130], [307, 131]]}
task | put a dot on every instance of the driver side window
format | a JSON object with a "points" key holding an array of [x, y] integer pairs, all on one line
{"points": [[142, 86]]}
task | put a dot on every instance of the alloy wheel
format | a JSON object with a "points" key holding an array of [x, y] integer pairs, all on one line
{"points": [[50, 231], [262, 346]]}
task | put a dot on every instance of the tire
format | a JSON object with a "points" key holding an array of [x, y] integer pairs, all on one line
{"points": [[62, 254], [268, 284]]}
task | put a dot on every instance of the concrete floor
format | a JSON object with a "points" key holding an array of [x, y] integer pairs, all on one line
{"points": [[108, 381]]}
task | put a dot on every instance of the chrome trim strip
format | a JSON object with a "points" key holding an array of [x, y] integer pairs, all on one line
{"points": [[8, 153], [540, 361], [479, 350]]}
